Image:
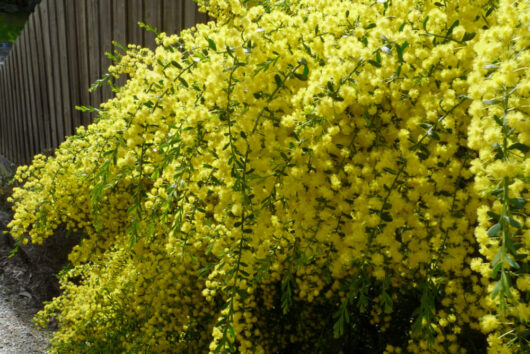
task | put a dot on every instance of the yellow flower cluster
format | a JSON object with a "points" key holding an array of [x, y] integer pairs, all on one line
{"points": [[301, 176]]}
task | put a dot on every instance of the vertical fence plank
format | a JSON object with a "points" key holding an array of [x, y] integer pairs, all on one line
{"points": [[55, 58], [83, 53], [73, 59], [170, 17], [19, 123], [134, 14], [105, 38], [29, 101], [66, 117], [3, 113], [42, 59], [152, 15], [47, 40], [119, 28], [35, 74], [9, 108], [93, 49], [189, 14]]}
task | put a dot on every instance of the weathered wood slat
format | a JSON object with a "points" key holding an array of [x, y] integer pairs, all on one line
{"points": [[36, 76], [63, 65], [83, 53], [31, 122], [73, 61], [105, 38]]}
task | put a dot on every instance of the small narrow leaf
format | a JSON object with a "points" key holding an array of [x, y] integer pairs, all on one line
{"points": [[496, 290], [495, 272], [511, 262], [494, 230], [519, 146], [468, 36], [512, 222], [450, 30], [211, 44], [517, 203], [278, 80], [491, 101]]}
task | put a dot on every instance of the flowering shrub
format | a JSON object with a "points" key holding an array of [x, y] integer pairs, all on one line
{"points": [[301, 176]]}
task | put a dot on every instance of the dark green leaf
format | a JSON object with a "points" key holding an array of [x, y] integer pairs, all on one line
{"points": [[450, 30], [517, 203], [498, 120], [183, 82], [300, 77], [494, 230], [278, 80], [497, 191], [424, 24], [211, 44], [468, 36], [374, 63], [495, 272], [519, 146], [386, 217], [512, 222], [493, 215]]}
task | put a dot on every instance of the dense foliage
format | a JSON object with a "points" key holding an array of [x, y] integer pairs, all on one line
{"points": [[301, 176]]}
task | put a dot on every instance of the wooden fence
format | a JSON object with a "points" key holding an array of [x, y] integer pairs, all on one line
{"points": [[60, 53]]}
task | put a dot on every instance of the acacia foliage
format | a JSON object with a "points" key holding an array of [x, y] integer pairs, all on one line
{"points": [[306, 175]]}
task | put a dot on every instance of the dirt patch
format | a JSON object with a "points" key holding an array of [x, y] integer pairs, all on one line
{"points": [[27, 278]]}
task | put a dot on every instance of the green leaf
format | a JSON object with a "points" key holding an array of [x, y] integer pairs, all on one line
{"points": [[498, 120], [497, 258], [424, 24], [278, 80], [496, 290], [211, 44], [512, 222], [491, 101], [495, 272], [374, 63], [505, 280], [300, 77], [401, 49], [497, 191], [517, 203], [468, 36], [386, 217], [521, 147], [183, 82], [512, 262], [493, 215], [231, 331], [450, 30], [175, 64], [494, 230], [511, 247]]}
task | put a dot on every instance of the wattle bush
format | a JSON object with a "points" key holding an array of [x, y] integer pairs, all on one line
{"points": [[305, 176]]}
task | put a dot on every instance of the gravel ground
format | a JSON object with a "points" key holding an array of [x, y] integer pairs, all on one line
{"points": [[20, 299], [17, 334]]}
